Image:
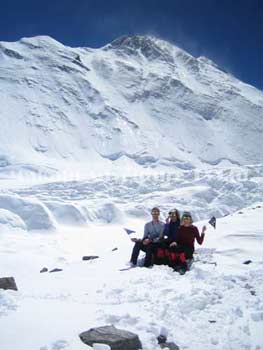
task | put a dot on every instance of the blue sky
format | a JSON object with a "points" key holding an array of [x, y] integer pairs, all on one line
{"points": [[230, 32]]}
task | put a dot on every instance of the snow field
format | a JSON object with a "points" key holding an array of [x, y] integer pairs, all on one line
{"points": [[216, 305]]}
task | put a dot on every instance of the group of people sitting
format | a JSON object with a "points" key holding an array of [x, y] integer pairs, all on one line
{"points": [[170, 243]]}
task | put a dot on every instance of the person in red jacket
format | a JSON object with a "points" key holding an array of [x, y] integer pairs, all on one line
{"points": [[186, 235]]}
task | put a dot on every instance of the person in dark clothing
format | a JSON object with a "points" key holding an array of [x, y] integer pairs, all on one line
{"points": [[169, 235], [171, 226], [153, 230], [186, 235]]}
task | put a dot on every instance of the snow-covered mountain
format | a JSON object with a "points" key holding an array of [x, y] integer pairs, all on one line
{"points": [[138, 101]]}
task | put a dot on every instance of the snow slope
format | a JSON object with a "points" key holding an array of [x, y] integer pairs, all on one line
{"points": [[217, 305], [137, 102]]}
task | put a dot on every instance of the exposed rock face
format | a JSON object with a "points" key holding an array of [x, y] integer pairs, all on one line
{"points": [[117, 339]]}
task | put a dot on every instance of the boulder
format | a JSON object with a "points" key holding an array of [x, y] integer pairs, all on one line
{"points": [[8, 283], [117, 339]]}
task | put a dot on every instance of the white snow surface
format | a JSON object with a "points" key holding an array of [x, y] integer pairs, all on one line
{"points": [[218, 304], [91, 140]]}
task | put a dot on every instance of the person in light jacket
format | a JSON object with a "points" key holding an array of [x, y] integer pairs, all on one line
{"points": [[153, 230]]}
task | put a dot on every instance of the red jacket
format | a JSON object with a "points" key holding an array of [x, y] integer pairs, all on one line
{"points": [[186, 236]]}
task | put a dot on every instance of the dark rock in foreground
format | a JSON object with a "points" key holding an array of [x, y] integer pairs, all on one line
{"points": [[117, 339], [90, 257], [8, 283], [247, 262], [55, 270], [45, 269]]}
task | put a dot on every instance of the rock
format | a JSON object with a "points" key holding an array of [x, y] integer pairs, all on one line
{"points": [[161, 339], [55, 270], [114, 249], [90, 257], [117, 339], [45, 269], [8, 283], [247, 262], [170, 346]]}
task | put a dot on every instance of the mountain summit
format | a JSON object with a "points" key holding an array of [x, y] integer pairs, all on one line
{"points": [[148, 46], [136, 102]]}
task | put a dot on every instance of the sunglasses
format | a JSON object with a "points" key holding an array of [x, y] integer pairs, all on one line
{"points": [[155, 212], [187, 217]]}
